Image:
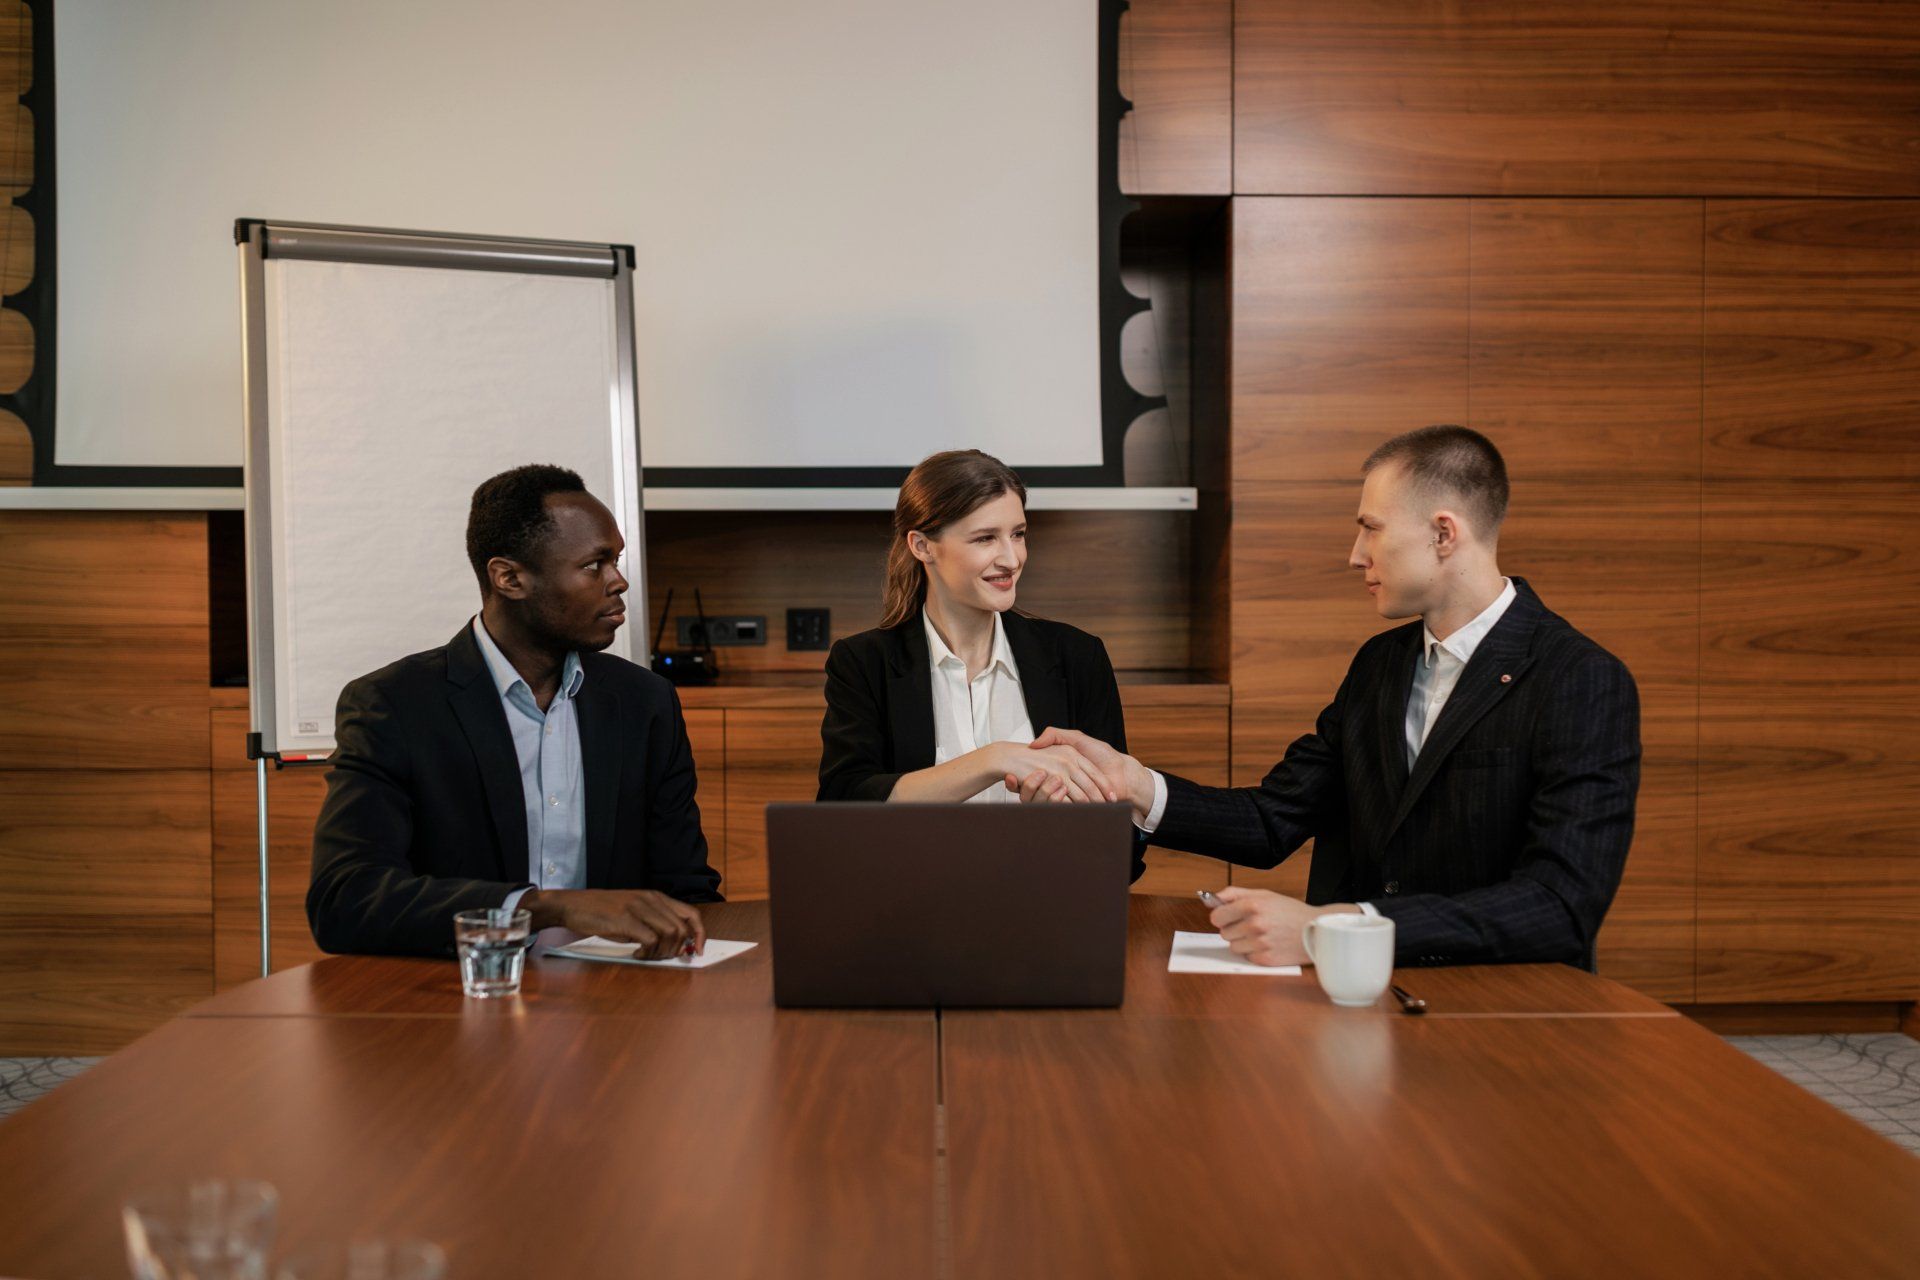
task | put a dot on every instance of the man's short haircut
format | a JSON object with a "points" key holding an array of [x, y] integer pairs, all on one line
{"points": [[1456, 461], [509, 516]]}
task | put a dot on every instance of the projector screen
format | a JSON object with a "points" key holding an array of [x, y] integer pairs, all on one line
{"points": [[864, 230]]}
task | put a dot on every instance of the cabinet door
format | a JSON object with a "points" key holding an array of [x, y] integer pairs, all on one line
{"points": [[771, 755], [1190, 740]]}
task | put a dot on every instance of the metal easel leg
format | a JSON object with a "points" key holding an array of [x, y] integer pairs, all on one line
{"points": [[260, 803]]}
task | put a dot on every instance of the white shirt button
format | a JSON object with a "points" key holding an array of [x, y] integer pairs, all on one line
{"points": [[554, 800]]}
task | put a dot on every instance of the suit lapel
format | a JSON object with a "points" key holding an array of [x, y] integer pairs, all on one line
{"points": [[910, 698], [476, 705], [596, 710], [1390, 715], [1043, 681], [1497, 666]]}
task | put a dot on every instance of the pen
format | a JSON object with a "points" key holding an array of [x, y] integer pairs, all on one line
{"points": [[1411, 1004], [1213, 902]]}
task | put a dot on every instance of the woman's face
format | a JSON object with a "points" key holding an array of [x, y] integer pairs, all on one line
{"points": [[976, 560]]}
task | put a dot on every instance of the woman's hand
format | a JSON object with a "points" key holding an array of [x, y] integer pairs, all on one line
{"points": [[1058, 773]]}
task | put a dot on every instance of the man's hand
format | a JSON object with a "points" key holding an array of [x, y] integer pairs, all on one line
{"points": [[662, 926], [1265, 927], [1124, 777], [1070, 775]]}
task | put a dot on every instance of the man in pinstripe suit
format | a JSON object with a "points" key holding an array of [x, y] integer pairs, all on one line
{"points": [[1474, 776]]}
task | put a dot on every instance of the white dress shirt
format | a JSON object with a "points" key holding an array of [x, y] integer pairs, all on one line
{"points": [[1435, 672], [967, 715], [553, 788]]}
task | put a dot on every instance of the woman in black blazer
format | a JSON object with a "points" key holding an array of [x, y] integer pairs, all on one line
{"points": [[941, 701]]}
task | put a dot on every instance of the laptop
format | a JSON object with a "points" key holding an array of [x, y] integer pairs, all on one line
{"points": [[949, 905]]}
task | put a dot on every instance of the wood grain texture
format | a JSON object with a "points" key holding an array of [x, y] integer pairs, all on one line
{"points": [[293, 802], [1810, 775], [1764, 97], [16, 449], [1349, 326], [391, 987], [1619, 558], [771, 756], [103, 640], [1398, 1146], [104, 924], [1192, 742], [768, 562], [1176, 67], [687, 1146], [16, 53], [707, 736], [1813, 340], [1585, 357], [1849, 1018]]}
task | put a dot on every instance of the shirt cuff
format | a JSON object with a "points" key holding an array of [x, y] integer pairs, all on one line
{"points": [[513, 899], [1367, 908], [1154, 814]]}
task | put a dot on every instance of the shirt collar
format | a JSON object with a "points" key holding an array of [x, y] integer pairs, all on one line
{"points": [[572, 675], [1463, 642], [938, 653]]}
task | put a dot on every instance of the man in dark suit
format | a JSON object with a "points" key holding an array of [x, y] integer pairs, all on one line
{"points": [[1474, 777], [517, 765]]}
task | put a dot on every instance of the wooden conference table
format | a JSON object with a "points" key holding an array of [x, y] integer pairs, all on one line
{"points": [[1539, 1121]]}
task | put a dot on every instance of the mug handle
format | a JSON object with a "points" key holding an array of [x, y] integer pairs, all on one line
{"points": [[1306, 942]]}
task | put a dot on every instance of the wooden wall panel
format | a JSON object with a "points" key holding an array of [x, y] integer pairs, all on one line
{"points": [[1810, 805], [1349, 326], [1561, 97], [1620, 560], [1176, 67], [1192, 741], [293, 803], [1570, 332], [1813, 339], [1810, 783], [103, 640], [1585, 318], [769, 562], [772, 755], [707, 735], [105, 928]]}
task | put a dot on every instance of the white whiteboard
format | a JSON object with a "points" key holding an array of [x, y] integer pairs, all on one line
{"points": [[866, 229], [391, 392]]}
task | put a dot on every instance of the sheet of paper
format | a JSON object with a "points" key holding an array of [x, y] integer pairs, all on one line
{"points": [[1209, 953], [609, 952]]}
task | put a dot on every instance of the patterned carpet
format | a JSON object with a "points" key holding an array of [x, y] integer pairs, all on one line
{"points": [[24, 1079], [1873, 1078]]}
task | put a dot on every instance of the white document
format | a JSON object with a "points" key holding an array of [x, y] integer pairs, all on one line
{"points": [[609, 952], [1209, 953]]}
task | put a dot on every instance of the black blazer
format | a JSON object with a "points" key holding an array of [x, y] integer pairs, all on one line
{"points": [[1507, 839], [879, 721], [425, 816]]}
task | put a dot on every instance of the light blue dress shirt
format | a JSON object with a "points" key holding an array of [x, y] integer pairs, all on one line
{"points": [[551, 785]]}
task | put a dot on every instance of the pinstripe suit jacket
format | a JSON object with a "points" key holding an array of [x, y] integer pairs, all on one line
{"points": [[1505, 841]]}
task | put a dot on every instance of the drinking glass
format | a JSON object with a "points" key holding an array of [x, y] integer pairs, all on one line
{"points": [[369, 1260], [211, 1229], [493, 950]]}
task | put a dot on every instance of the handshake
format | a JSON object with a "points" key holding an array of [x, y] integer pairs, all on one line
{"points": [[1065, 766]]}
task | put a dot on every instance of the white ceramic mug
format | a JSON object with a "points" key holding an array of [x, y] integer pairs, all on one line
{"points": [[1352, 955]]}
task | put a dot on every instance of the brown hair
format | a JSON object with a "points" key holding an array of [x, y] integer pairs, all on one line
{"points": [[1459, 462], [941, 490]]}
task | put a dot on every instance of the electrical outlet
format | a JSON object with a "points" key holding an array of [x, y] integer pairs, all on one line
{"points": [[721, 630], [809, 629]]}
